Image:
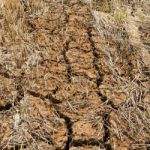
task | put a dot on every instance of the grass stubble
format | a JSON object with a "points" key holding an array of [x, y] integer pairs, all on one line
{"points": [[124, 29]]}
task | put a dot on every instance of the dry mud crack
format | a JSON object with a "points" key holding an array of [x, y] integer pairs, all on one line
{"points": [[59, 101]]}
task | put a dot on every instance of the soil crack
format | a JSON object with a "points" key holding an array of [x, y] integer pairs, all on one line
{"points": [[48, 96], [6, 107], [103, 97], [68, 123], [89, 142], [19, 97], [67, 62], [95, 61], [108, 102], [106, 131], [67, 120]]}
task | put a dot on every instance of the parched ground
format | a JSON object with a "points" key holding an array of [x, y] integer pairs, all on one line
{"points": [[58, 94]]}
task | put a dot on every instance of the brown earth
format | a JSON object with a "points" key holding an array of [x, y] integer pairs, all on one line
{"points": [[62, 92]]}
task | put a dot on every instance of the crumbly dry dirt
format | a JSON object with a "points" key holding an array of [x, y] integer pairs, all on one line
{"points": [[62, 94]]}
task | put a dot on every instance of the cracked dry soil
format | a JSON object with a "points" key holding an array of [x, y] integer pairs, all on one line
{"points": [[60, 102]]}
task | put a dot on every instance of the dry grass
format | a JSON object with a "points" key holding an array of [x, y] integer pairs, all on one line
{"points": [[125, 25], [19, 52], [125, 29]]}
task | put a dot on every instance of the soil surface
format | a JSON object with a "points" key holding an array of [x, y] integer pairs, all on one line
{"points": [[62, 94]]}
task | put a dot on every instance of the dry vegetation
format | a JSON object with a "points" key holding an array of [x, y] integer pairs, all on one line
{"points": [[74, 74]]}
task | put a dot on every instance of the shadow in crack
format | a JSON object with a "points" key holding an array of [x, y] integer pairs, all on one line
{"points": [[6, 107], [67, 120], [89, 142]]}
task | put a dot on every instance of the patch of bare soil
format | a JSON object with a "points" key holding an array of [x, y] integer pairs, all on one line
{"points": [[59, 96]]}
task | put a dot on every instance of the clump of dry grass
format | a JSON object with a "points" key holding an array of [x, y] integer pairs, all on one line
{"points": [[18, 52], [12, 29], [126, 25], [12, 21], [17, 44]]}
